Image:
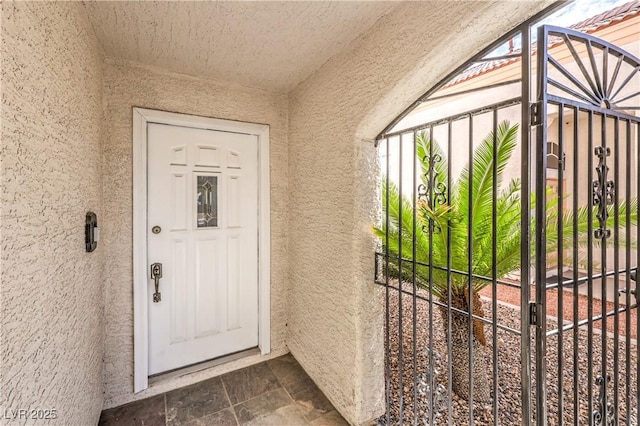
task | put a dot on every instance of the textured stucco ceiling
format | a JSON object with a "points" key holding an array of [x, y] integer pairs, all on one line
{"points": [[268, 45]]}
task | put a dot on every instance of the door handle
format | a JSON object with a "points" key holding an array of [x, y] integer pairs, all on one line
{"points": [[156, 274]]}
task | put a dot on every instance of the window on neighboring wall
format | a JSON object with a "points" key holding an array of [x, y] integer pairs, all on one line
{"points": [[553, 155]]}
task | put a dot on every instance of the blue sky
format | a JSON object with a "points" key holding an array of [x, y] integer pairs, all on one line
{"points": [[580, 10], [575, 12]]}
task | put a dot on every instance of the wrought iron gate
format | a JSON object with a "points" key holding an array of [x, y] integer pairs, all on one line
{"points": [[559, 240], [591, 111]]}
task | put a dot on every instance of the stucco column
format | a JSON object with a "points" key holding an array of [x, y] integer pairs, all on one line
{"points": [[335, 321]]}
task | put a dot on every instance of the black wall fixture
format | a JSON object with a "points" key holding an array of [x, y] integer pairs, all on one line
{"points": [[91, 231]]}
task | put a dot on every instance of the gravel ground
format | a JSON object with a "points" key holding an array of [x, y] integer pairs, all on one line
{"points": [[509, 409], [511, 295]]}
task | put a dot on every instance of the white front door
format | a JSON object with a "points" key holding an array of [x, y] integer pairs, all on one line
{"points": [[202, 206]]}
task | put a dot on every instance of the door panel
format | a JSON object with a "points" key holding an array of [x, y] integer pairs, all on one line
{"points": [[178, 300], [208, 293], [179, 197], [234, 218], [202, 193], [234, 245]]}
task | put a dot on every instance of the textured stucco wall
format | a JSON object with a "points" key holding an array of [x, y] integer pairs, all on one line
{"points": [[56, 95], [51, 294], [335, 319], [127, 85], [247, 42]]}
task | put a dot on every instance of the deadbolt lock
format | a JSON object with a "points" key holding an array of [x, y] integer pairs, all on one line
{"points": [[156, 229]]}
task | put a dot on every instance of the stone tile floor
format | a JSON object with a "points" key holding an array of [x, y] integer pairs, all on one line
{"points": [[275, 392]]}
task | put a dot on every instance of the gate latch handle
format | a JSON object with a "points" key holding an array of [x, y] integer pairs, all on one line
{"points": [[156, 274]]}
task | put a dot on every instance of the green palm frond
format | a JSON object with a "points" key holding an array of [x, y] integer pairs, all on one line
{"points": [[425, 151], [477, 198], [442, 235]]}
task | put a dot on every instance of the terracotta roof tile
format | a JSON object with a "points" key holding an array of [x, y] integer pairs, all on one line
{"points": [[607, 18], [589, 25]]}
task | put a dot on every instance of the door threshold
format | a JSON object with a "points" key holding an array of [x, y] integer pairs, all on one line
{"points": [[194, 368]]}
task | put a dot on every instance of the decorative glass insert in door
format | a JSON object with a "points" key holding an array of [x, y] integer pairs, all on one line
{"points": [[207, 187]]}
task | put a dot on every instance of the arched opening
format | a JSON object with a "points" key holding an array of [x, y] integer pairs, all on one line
{"points": [[509, 230]]}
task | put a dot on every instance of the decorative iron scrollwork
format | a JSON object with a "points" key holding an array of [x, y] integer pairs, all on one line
{"points": [[432, 191], [433, 396], [433, 227], [436, 194], [603, 191], [604, 412]]}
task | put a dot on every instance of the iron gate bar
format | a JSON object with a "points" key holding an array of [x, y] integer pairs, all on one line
{"points": [[553, 99], [525, 223], [574, 93], [605, 71], [589, 97], [432, 198], [590, 269], [386, 274], [457, 117], [456, 310], [555, 83], [494, 256], [470, 302], [541, 237], [560, 259], [626, 108], [497, 58], [585, 279], [413, 273], [594, 68], [415, 287], [575, 325], [603, 392], [616, 259], [473, 90], [624, 83], [449, 274], [637, 295], [614, 77], [633, 95], [457, 272], [400, 332], [628, 276], [578, 60]]}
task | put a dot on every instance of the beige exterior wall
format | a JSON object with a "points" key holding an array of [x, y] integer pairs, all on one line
{"points": [[324, 305], [127, 85], [335, 311], [51, 294]]}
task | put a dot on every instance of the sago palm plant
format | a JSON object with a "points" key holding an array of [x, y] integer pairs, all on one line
{"points": [[460, 230]]}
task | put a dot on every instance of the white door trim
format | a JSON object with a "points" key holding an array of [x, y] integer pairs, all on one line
{"points": [[141, 117]]}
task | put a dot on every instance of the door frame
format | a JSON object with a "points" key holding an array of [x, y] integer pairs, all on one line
{"points": [[141, 118]]}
